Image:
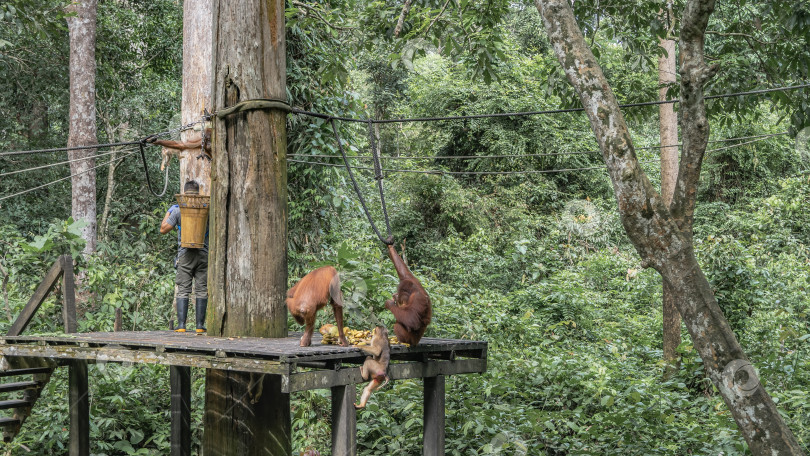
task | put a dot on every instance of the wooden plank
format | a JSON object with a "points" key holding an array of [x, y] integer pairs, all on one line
{"points": [[5, 421], [286, 349], [79, 409], [69, 294], [433, 432], [36, 300], [122, 355], [344, 421], [17, 386], [320, 379], [13, 403], [26, 371], [180, 380]]}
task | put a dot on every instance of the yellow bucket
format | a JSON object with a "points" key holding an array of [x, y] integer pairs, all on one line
{"points": [[193, 219]]}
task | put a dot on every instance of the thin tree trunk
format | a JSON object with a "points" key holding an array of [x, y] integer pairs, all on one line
{"points": [[110, 177], [4, 273], [662, 236], [668, 128], [247, 414], [196, 88], [82, 129]]}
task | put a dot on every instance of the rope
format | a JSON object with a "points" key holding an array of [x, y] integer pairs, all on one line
{"points": [[378, 175], [356, 187], [9, 173], [65, 178], [146, 171]]}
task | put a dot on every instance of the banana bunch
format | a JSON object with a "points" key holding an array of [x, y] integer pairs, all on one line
{"points": [[355, 337]]}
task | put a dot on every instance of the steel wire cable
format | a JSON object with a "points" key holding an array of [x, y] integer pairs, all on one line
{"points": [[119, 160], [50, 165], [548, 154], [544, 112]]}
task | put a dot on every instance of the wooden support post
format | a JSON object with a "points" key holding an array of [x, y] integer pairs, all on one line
{"points": [[344, 421], [79, 409], [433, 434], [234, 401], [119, 319], [180, 379], [69, 292]]}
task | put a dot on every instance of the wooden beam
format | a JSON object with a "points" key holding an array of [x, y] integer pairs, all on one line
{"points": [[180, 380], [79, 409], [69, 293], [118, 354], [433, 433], [36, 300], [344, 421], [319, 379]]}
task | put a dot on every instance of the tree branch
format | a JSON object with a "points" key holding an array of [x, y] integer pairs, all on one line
{"points": [[437, 17], [694, 121], [318, 15], [641, 207], [5, 292], [406, 8]]}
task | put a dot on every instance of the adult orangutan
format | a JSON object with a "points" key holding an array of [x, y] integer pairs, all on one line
{"points": [[410, 304], [311, 294]]}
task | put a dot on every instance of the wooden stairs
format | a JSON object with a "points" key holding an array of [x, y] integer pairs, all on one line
{"points": [[23, 379]]}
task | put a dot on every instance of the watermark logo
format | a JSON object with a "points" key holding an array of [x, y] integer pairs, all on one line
{"points": [[581, 218], [508, 443], [741, 377]]}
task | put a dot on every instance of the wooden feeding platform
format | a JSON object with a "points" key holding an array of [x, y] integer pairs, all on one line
{"points": [[301, 368], [28, 361]]}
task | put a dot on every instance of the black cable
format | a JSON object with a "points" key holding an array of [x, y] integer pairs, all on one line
{"points": [[440, 172], [101, 146], [549, 154], [146, 171], [535, 113], [65, 178], [62, 149], [354, 184], [50, 165]]}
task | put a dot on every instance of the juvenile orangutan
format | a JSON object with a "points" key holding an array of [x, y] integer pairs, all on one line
{"points": [[376, 365], [175, 147], [311, 294], [410, 304]]}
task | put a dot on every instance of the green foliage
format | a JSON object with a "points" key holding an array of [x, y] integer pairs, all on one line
{"points": [[536, 264]]}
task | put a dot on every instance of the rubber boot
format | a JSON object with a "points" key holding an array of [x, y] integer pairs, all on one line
{"points": [[202, 306], [182, 311]]}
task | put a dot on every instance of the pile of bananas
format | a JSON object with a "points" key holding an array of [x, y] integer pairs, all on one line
{"points": [[354, 336]]}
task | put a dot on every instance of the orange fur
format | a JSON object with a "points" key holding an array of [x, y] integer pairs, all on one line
{"points": [[311, 294]]}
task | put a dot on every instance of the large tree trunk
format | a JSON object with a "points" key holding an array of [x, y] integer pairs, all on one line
{"points": [[248, 258], [82, 129], [663, 236], [196, 88], [668, 129]]}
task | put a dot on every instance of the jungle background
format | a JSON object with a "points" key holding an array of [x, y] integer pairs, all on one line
{"points": [[537, 264]]}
